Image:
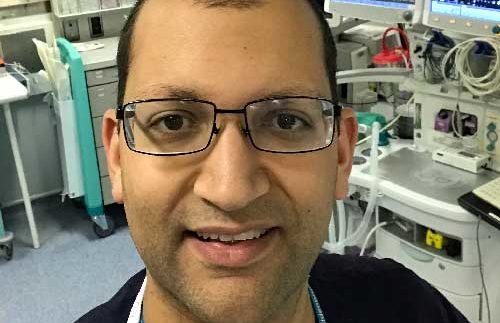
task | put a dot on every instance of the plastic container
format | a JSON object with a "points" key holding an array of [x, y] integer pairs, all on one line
{"points": [[398, 56]]}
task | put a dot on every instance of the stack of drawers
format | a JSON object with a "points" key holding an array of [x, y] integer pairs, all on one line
{"points": [[102, 86]]}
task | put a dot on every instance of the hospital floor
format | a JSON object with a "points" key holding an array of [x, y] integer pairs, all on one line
{"points": [[71, 273]]}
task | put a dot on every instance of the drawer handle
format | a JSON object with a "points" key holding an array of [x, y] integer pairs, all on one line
{"points": [[416, 254]]}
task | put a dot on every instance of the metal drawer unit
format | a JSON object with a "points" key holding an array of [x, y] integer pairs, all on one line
{"points": [[102, 76], [102, 97], [94, 83], [102, 91]]}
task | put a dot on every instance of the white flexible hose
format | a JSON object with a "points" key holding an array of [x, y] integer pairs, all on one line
{"points": [[372, 231], [390, 124], [331, 245], [332, 236], [363, 227], [342, 220], [356, 236]]}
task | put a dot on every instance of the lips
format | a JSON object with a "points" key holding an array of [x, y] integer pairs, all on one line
{"points": [[248, 235], [231, 247]]}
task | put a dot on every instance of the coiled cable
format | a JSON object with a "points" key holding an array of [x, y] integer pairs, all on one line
{"points": [[487, 84]]}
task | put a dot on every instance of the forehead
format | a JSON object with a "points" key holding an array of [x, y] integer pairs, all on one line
{"points": [[226, 54]]}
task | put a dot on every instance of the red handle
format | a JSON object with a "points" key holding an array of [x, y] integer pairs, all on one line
{"points": [[402, 34]]}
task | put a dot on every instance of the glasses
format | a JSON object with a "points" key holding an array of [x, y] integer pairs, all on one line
{"points": [[170, 127]]}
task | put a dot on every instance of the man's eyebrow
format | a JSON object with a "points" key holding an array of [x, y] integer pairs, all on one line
{"points": [[161, 91], [294, 91]]}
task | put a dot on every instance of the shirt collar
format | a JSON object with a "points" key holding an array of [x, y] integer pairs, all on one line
{"points": [[135, 312]]}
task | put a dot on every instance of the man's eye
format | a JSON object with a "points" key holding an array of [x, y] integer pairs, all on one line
{"points": [[173, 122], [287, 121]]}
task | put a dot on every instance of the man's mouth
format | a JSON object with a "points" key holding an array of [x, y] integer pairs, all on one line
{"points": [[231, 248], [230, 239]]}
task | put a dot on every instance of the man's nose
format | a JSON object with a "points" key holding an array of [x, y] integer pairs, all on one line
{"points": [[231, 177]]}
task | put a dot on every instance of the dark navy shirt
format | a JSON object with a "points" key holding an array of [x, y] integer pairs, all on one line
{"points": [[349, 289]]}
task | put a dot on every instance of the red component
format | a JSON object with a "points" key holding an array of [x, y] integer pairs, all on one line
{"points": [[396, 55]]}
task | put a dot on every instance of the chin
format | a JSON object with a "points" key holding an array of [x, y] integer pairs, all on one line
{"points": [[243, 312], [232, 300]]}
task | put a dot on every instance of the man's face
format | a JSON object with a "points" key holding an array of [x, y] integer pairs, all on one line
{"points": [[230, 57]]}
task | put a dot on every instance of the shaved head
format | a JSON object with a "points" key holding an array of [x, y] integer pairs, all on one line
{"points": [[237, 4], [125, 55]]}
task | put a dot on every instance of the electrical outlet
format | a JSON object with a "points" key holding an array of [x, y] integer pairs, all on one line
{"points": [[71, 30], [492, 137], [95, 25]]}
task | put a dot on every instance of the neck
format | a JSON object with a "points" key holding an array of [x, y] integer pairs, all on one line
{"points": [[162, 308]]}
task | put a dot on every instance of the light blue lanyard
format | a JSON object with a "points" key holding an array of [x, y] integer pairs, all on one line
{"points": [[142, 311], [320, 318]]}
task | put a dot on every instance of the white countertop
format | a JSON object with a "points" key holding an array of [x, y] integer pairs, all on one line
{"points": [[428, 201], [11, 90], [102, 57]]}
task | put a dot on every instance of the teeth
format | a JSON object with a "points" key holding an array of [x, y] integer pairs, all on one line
{"points": [[224, 237], [245, 236], [249, 235]]}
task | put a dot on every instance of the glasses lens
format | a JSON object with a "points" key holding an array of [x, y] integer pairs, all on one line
{"points": [[169, 126], [291, 125]]}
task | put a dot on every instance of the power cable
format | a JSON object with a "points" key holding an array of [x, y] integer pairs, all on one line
{"points": [[460, 54], [481, 271]]}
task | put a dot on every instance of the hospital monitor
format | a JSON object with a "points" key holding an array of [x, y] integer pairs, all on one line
{"points": [[474, 17], [384, 11]]}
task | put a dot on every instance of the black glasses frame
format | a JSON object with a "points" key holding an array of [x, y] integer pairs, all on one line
{"points": [[337, 109]]}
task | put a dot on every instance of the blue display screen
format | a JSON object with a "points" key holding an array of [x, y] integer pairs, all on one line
{"points": [[400, 4], [477, 9]]}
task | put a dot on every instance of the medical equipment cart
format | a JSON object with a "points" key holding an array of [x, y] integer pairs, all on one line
{"points": [[417, 197], [92, 93]]}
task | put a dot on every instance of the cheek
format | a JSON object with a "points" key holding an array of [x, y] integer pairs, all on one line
{"points": [[308, 179], [155, 181], [309, 183], [151, 193]]}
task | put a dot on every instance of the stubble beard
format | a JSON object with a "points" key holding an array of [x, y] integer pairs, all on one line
{"points": [[267, 300]]}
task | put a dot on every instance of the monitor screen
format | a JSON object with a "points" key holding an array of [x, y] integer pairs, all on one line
{"points": [[475, 17], [385, 11]]}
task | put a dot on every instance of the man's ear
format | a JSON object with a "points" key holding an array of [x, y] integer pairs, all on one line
{"points": [[111, 141], [346, 144]]}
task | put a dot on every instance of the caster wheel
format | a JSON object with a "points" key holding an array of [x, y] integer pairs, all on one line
{"points": [[109, 231], [7, 250]]}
